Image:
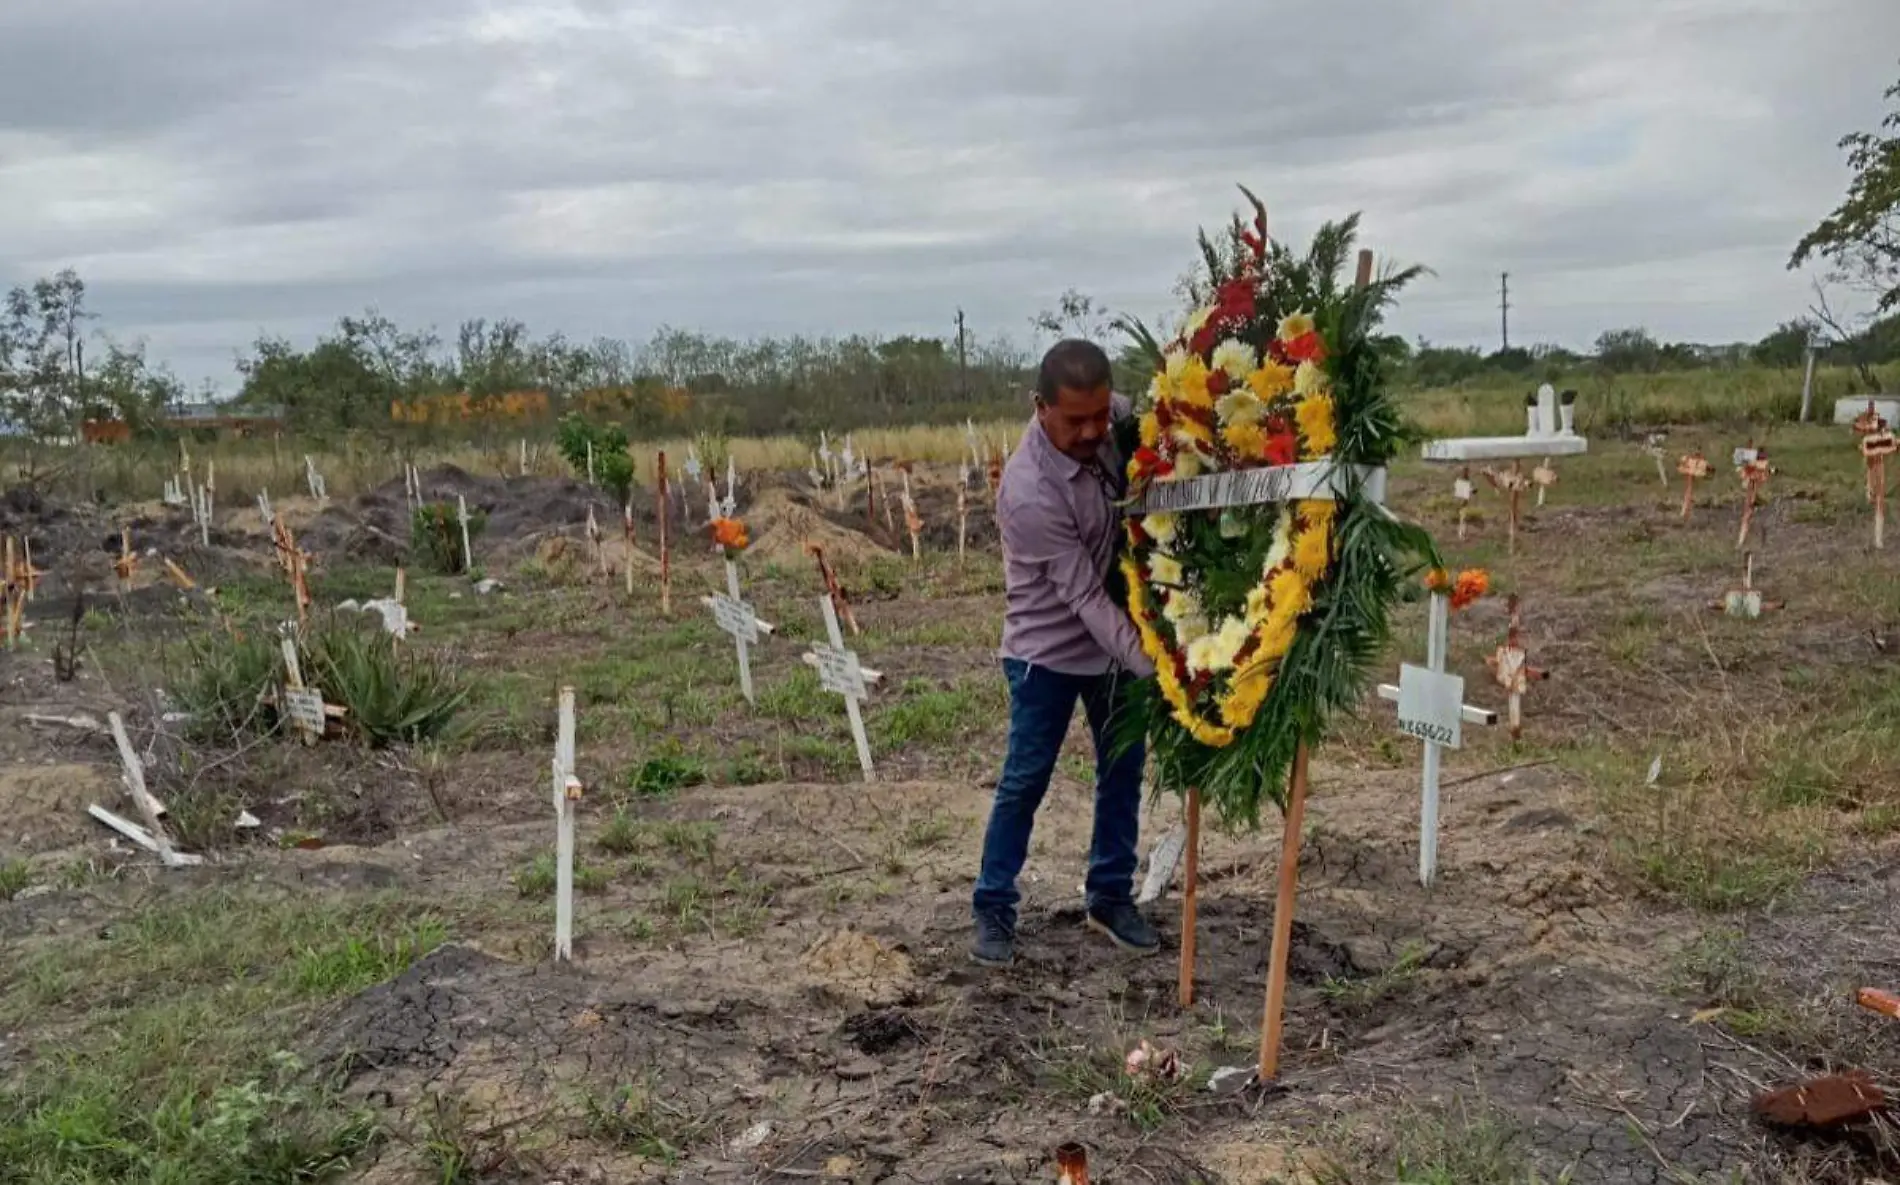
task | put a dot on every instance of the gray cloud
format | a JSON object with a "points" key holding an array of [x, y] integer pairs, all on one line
{"points": [[220, 168]]}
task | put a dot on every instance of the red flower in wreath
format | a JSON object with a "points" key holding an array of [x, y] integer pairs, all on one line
{"points": [[1150, 464], [1283, 448], [1306, 348]]}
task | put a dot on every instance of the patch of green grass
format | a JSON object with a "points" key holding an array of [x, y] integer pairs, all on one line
{"points": [[746, 768], [1360, 995], [648, 1120], [796, 698], [358, 962], [460, 1152], [623, 835], [831, 755], [691, 839], [1717, 876], [1148, 1102], [1879, 820], [665, 772], [15, 875], [926, 715], [929, 831], [536, 878], [684, 900]]}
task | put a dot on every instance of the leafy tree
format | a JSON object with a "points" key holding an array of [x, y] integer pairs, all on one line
{"points": [[1623, 351], [1075, 315], [42, 355], [1860, 240], [1786, 347]]}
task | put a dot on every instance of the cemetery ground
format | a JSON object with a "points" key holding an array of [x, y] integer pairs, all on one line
{"points": [[770, 981]]}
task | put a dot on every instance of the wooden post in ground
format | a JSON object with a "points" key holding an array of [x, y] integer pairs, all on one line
{"points": [[1275, 1014], [461, 518], [1462, 490], [567, 793], [1869, 423], [913, 522], [627, 529], [833, 589], [1876, 447], [1190, 897], [963, 521], [1693, 467], [596, 541], [1753, 468], [1510, 666], [307, 725], [1543, 477], [127, 562], [884, 496], [666, 565], [135, 784]]}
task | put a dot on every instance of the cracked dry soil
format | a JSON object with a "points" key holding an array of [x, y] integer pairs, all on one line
{"points": [[853, 1026]]}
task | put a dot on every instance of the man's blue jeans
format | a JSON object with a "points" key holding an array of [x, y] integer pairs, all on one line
{"points": [[1041, 704]]}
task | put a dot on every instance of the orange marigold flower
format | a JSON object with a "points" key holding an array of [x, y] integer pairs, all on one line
{"points": [[1472, 584], [1437, 580], [729, 533]]}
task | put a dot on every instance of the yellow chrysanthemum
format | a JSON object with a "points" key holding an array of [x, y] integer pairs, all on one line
{"points": [[1309, 378], [1150, 431], [1248, 440], [1187, 464], [1191, 386], [1311, 553], [1215, 652], [1271, 380], [1193, 434], [1241, 407], [1295, 326], [1290, 593], [1276, 636], [1237, 358], [1162, 528], [1245, 695], [1160, 390], [1318, 511], [1315, 416], [1174, 364], [1164, 569]]}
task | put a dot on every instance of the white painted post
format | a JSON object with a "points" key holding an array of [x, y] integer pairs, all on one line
{"points": [[461, 517], [739, 639], [839, 672], [590, 462], [204, 516], [524, 456], [567, 792], [135, 784], [263, 506], [730, 506], [1807, 385], [1431, 707]]}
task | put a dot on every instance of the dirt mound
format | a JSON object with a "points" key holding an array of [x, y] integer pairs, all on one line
{"points": [[860, 967], [781, 526]]}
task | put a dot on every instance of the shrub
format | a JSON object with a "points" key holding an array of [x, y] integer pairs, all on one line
{"points": [[435, 535], [224, 683], [613, 467]]}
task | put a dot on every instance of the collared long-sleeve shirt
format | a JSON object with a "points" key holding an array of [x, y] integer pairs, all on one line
{"points": [[1059, 526]]}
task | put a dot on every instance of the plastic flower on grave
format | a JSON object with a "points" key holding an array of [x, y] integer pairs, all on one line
{"points": [[730, 535], [1264, 619], [1472, 584], [1436, 580], [1148, 465]]}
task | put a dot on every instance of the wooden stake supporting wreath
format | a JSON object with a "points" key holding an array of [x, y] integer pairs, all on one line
{"points": [[1260, 551], [1869, 423], [833, 589], [666, 558]]}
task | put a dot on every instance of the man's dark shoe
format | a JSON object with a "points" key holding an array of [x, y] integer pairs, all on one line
{"points": [[1125, 927], [995, 942]]}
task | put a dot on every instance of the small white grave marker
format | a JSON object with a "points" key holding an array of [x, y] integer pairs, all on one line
{"points": [[1551, 430], [1462, 490], [1653, 445], [730, 506], [461, 518], [567, 793], [263, 506], [1511, 668], [736, 618], [134, 777], [840, 674], [1432, 708], [1745, 602], [303, 705]]}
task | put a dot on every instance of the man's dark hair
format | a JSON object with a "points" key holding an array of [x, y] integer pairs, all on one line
{"points": [[1073, 363]]}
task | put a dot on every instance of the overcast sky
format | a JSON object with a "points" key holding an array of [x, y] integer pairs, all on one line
{"points": [[217, 168]]}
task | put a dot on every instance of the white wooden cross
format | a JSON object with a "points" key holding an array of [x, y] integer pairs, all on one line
{"points": [[1876, 447], [1869, 423], [1751, 465], [152, 836], [590, 462], [596, 542], [816, 473], [1653, 445], [263, 506], [524, 456], [913, 522], [736, 618], [840, 673], [1432, 708], [730, 506], [567, 793], [303, 705], [461, 518], [314, 479], [693, 467], [1511, 483]]}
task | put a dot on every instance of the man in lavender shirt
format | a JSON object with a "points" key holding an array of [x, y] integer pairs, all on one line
{"points": [[1064, 639]]}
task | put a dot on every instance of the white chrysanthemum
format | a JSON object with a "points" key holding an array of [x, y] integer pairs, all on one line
{"points": [[1190, 629], [1162, 528], [1217, 651], [1237, 358], [1187, 463], [1181, 605], [1308, 378], [1164, 569], [1159, 390], [1196, 320], [1241, 407], [1282, 547], [1174, 364]]}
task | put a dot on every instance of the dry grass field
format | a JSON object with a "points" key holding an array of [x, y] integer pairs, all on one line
{"points": [[770, 983]]}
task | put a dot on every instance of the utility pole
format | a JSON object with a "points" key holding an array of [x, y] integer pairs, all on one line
{"points": [[963, 361], [1504, 307]]}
